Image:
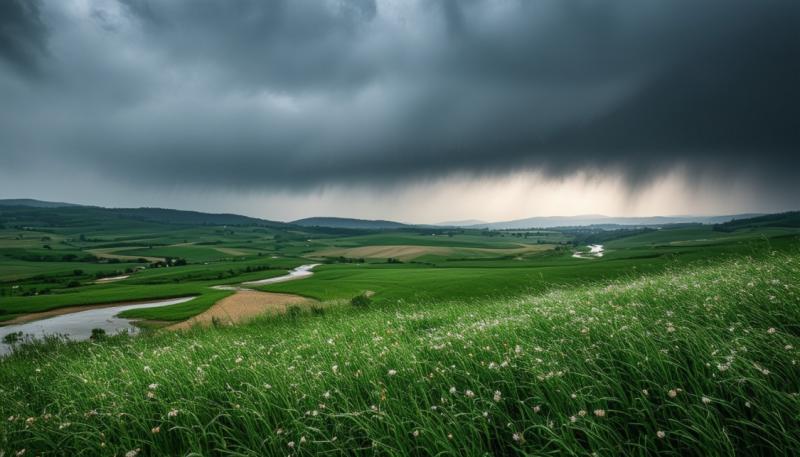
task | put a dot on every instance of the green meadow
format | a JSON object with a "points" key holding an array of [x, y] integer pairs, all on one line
{"points": [[700, 360], [678, 340]]}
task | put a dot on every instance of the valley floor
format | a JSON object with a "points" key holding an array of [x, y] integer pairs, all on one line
{"points": [[695, 360]]}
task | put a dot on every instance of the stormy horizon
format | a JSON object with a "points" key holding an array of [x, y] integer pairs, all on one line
{"points": [[418, 111]]}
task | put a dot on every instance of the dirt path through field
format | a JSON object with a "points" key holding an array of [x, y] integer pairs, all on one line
{"points": [[242, 306]]}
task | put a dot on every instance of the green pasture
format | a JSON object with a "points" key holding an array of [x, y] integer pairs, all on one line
{"points": [[692, 361]]}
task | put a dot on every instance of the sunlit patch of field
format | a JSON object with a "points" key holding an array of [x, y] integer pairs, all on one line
{"points": [[410, 252], [112, 253], [233, 252], [692, 361]]}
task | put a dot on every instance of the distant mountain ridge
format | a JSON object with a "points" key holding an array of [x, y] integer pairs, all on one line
{"points": [[39, 213], [33, 203], [27, 208], [349, 223], [464, 223], [600, 220]]}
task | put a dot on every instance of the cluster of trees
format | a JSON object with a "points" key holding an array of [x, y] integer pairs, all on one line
{"points": [[343, 259], [169, 262], [525, 235], [32, 257]]}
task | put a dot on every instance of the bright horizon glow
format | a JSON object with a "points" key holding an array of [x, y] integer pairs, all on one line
{"points": [[457, 197]]}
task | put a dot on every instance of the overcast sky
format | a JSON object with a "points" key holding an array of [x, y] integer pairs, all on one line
{"points": [[416, 110]]}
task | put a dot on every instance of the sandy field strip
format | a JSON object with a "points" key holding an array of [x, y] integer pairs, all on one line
{"points": [[242, 306], [231, 251], [111, 254]]}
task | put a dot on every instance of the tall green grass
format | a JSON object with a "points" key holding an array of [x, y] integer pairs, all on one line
{"points": [[700, 361]]}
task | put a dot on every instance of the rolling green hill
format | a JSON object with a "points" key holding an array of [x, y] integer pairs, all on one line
{"points": [[788, 219], [32, 203], [341, 222]]}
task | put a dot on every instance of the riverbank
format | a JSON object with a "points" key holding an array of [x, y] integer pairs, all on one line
{"points": [[77, 322]]}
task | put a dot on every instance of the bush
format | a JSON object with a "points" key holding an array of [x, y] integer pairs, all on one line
{"points": [[98, 334], [361, 301], [293, 312], [317, 310]]}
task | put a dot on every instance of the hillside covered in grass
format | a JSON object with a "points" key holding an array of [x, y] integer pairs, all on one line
{"points": [[696, 361]]}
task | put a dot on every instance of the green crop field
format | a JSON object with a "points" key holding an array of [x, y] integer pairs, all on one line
{"points": [[678, 340], [564, 372]]}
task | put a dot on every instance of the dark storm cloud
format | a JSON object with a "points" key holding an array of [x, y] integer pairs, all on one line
{"points": [[22, 35], [279, 44], [300, 93]]}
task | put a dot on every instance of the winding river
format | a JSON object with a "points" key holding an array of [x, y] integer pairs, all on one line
{"points": [[595, 250], [79, 325]]}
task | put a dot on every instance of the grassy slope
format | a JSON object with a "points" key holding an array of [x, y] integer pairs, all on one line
{"points": [[415, 283], [707, 356], [481, 278]]}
